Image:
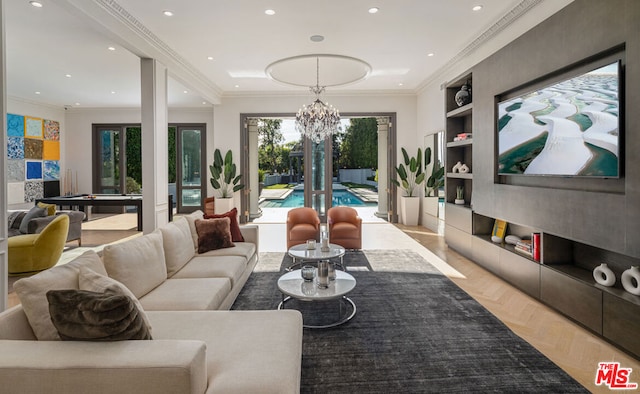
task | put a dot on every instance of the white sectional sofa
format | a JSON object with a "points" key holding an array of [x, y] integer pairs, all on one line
{"points": [[198, 346]]}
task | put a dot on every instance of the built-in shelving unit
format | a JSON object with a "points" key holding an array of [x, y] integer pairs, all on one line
{"points": [[459, 119], [563, 279]]}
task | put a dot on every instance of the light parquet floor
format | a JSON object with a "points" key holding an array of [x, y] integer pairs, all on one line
{"points": [[570, 346]]}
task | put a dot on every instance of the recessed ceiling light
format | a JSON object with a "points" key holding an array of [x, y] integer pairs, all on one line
{"points": [[204, 103], [374, 10], [237, 86], [430, 54], [477, 8], [269, 12], [317, 38], [77, 104], [185, 91], [113, 92], [36, 4], [67, 75], [37, 92], [209, 57], [400, 84], [111, 48], [167, 13]]}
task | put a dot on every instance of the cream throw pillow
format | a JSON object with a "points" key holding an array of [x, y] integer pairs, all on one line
{"points": [[90, 280], [191, 219], [32, 291], [138, 264], [176, 238]]}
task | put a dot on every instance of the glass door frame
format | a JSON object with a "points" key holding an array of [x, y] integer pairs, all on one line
{"points": [[122, 165], [180, 128], [97, 186], [310, 194]]}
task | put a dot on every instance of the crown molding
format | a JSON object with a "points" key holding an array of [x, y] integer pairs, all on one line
{"points": [[34, 102], [333, 93], [133, 35], [518, 11]]}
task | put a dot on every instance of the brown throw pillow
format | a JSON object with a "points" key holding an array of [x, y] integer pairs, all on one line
{"points": [[213, 234], [81, 315], [236, 235]]}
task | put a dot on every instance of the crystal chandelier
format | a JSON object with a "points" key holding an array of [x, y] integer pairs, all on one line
{"points": [[317, 121]]}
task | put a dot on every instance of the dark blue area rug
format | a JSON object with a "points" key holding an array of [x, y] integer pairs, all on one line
{"points": [[413, 333]]}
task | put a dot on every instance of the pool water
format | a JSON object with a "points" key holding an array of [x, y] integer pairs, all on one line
{"points": [[296, 199]]}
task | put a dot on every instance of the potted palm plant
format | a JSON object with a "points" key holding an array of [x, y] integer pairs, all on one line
{"points": [[411, 176], [432, 185], [224, 180]]}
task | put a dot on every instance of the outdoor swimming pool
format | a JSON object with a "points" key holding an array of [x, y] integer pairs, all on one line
{"points": [[296, 199]]}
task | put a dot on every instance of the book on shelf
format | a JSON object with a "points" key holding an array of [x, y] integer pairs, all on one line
{"points": [[499, 231], [535, 246]]}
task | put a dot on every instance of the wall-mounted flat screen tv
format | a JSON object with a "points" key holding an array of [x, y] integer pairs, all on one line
{"points": [[570, 128]]}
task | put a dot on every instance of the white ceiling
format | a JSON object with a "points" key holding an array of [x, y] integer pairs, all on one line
{"points": [[72, 36]]}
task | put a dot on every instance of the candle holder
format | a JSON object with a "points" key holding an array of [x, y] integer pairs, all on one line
{"points": [[323, 274]]}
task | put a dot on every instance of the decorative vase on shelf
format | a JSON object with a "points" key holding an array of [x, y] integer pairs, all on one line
{"points": [[463, 97], [456, 168], [631, 280], [603, 275]]}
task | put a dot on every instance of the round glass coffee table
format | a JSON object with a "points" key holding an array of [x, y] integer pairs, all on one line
{"points": [[302, 254], [292, 286]]}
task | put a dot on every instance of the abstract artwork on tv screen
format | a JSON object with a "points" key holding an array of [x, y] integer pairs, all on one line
{"points": [[570, 128]]}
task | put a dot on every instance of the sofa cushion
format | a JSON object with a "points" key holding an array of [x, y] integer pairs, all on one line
{"points": [[90, 280], [82, 315], [35, 212], [176, 238], [138, 263], [32, 291], [191, 219], [244, 249], [14, 219], [187, 294], [213, 234], [231, 267], [51, 208], [263, 345], [236, 235]]}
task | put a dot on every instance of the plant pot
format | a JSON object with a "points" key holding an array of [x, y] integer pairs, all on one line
{"points": [[409, 210], [223, 205], [430, 205], [459, 201]]}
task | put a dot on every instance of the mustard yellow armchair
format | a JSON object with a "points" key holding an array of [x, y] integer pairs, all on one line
{"points": [[36, 252]]}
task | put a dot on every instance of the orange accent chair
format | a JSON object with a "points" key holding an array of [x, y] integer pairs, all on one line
{"points": [[302, 224], [345, 227]]}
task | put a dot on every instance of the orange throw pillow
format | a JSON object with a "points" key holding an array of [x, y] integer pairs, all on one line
{"points": [[236, 235]]}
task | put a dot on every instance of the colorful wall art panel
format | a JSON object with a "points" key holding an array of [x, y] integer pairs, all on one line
{"points": [[51, 130], [51, 170], [32, 127], [34, 169], [50, 150], [33, 157], [15, 170], [33, 190], [15, 125], [15, 148], [15, 193], [32, 149]]}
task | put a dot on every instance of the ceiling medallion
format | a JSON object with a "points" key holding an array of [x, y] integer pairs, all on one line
{"points": [[318, 120]]}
